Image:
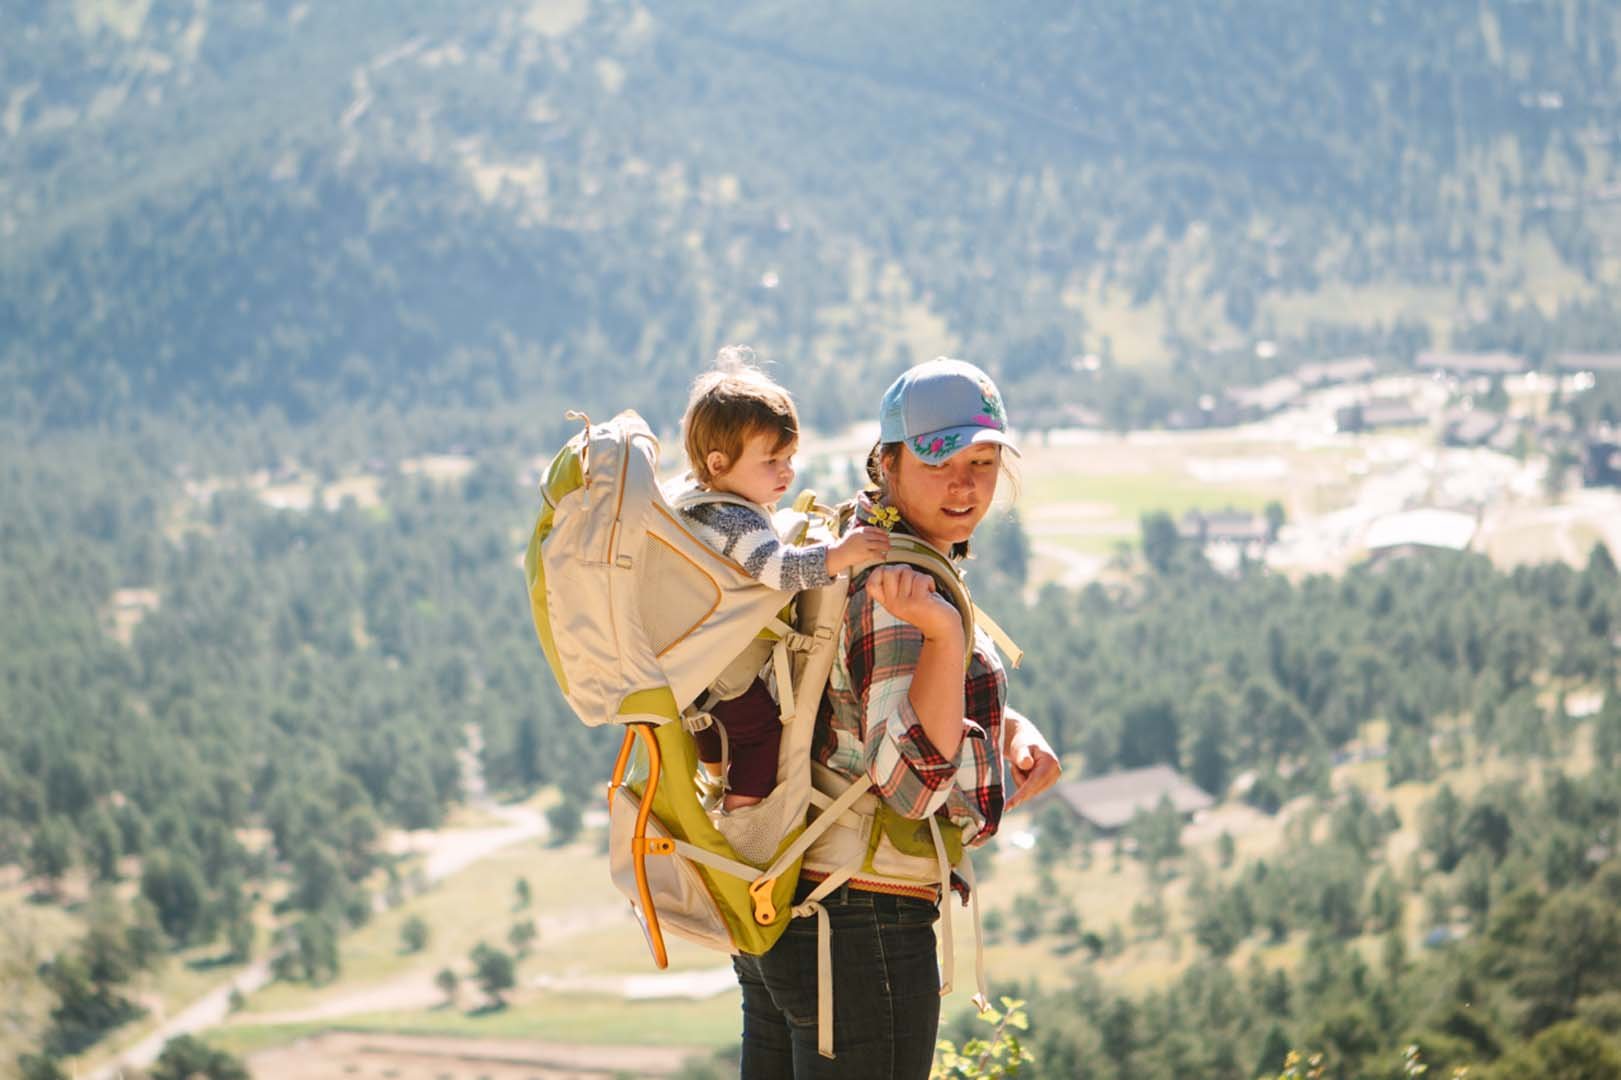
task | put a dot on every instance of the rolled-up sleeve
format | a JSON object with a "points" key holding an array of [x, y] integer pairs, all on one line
{"points": [[870, 728], [908, 772]]}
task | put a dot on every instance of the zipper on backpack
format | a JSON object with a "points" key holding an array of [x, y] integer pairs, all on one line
{"points": [[612, 556]]}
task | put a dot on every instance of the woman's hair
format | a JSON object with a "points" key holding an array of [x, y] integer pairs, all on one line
{"points": [[730, 403], [888, 455], [878, 457]]}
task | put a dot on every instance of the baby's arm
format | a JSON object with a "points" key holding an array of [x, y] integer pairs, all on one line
{"points": [[859, 545], [748, 539]]}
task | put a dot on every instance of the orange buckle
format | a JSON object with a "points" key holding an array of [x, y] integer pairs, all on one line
{"points": [[656, 845], [765, 912]]}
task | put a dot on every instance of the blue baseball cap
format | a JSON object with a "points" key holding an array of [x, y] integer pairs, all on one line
{"points": [[941, 407]]}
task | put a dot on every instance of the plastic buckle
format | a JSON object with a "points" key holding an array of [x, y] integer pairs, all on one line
{"points": [[765, 912], [657, 845]]}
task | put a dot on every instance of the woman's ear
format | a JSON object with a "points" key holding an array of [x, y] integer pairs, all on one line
{"points": [[717, 463], [889, 464]]}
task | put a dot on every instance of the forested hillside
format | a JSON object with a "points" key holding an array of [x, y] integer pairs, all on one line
{"points": [[287, 205]]}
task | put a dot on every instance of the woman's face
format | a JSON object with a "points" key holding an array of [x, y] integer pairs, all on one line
{"points": [[944, 503]]}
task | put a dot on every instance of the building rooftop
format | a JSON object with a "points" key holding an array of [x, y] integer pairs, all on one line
{"points": [[1587, 361], [1110, 802], [1473, 428], [1472, 363], [1347, 369], [1426, 527], [1390, 412], [1269, 397]]}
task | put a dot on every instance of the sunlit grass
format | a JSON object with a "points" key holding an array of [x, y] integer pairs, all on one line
{"points": [[1131, 496], [567, 1017], [477, 905], [30, 933]]}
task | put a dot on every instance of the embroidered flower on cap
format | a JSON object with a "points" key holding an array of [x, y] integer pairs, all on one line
{"points": [[937, 445], [991, 407]]}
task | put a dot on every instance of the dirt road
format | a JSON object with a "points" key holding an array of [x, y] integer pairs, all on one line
{"points": [[447, 852], [343, 1055]]}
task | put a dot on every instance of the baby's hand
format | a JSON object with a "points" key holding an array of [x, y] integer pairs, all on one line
{"points": [[863, 545]]}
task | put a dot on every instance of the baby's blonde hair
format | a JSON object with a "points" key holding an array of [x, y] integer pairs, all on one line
{"points": [[730, 403]]}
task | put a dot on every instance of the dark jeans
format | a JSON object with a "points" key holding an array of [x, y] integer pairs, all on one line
{"points": [[753, 733], [886, 993]]}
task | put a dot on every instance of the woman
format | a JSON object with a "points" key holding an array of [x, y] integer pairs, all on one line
{"points": [[933, 740]]}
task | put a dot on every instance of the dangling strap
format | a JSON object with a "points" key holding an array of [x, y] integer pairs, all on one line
{"points": [[585, 454], [982, 1000], [812, 905], [948, 969]]}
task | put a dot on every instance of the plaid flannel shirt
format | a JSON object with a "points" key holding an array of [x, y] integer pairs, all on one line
{"points": [[867, 724]]}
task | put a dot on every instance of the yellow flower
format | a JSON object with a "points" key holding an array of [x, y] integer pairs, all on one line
{"points": [[886, 517]]}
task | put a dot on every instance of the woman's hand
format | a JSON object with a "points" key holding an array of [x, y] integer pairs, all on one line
{"points": [[909, 595], [1035, 766]]}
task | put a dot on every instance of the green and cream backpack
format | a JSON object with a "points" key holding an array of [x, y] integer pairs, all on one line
{"points": [[642, 624]]}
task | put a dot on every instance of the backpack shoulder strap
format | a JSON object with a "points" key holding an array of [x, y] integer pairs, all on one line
{"points": [[920, 555], [1004, 642], [904, 548]]}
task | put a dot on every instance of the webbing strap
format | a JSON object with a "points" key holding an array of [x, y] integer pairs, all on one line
{"points": [[819, 825], [1009, 647], [794, 640], [812, 905], [785, 682], [982, 1000], [948, 969], [715, 861], [696, 720]]}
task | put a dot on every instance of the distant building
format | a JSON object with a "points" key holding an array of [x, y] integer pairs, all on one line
{"points": [[1378, 414], [1587, 361], [1601, 463], [1506, 440], [1410, 531], [1466, 364], [1349, 369], [1473, 428], [1254, 402], [1237, 527], [1108, 803]]}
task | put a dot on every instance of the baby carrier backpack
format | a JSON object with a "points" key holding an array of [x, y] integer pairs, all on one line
{"points": [[642, 624]]}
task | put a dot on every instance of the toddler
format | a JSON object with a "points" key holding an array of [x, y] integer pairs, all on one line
{"points": [[740, 433]]}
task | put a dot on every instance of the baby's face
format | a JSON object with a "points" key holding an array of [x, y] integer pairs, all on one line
{"points": [[762, 472]]}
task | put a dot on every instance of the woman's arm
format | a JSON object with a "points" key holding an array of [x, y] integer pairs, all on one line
{"points": [[875, 725], [936, 692], [937, 680]]}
